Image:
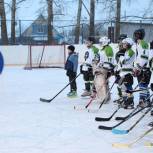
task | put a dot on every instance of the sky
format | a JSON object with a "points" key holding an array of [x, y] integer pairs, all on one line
{"points": [[29, 9]]}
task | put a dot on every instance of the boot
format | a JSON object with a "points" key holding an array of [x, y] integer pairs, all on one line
{"points": [[151, 113], [86, 93], [128, 103], [72, 94], [143, 103], [93, 94]]}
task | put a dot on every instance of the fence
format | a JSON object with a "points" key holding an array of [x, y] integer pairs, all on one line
{"points": [[35, 31]]}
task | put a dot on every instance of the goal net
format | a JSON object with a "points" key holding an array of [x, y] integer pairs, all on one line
{"points": [[43, 56]]}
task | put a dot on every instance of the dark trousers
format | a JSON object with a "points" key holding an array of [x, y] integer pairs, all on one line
{"points": [[73, 86], [144, 80], [88, 78]]}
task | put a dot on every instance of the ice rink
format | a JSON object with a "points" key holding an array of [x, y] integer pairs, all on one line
{"points": [[30, 126]]}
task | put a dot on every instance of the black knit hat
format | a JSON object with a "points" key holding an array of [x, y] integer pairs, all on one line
{"points": [[71, 47], [91, 39]]}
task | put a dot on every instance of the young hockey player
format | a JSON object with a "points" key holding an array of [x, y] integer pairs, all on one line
{"points": [[86, 68], [104, 69], [141, 71], [120, 54], [151, 66], [124, 74], [71, 70], [121, 51]]}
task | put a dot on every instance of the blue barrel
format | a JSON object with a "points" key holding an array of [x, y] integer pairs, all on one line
{"points": [[1, 62]]}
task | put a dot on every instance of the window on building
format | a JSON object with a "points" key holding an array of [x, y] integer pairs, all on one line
{"points": [[40, 29]]}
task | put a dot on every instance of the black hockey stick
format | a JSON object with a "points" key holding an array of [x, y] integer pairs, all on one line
{"points": [[108, 118], [117, 118], [123, 118], [118, 131], [127, 118], [112, 127], [49, 100]]}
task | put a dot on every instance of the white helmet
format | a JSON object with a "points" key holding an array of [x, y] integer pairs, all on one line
{"points": [[128, 41], [104, 41]]}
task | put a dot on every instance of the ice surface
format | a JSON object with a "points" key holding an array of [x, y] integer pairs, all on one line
{"points": [[30, 126]]}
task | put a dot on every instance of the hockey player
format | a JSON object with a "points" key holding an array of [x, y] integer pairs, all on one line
{"points": [[71, 70], [141, 70], [151, 66], [125, 78], [86, 68], [104, 69], [121, 51]]}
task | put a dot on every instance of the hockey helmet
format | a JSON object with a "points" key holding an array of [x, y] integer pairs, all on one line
{"points": [[139, 34], [104, 41], [122, 36], [128, 41]]}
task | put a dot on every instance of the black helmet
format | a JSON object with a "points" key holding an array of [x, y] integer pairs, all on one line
{"points": [[122, 36], [139, 34], [92, 39]]}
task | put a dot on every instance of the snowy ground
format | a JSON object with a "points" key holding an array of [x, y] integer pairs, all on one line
{"points": [[30, 126]]}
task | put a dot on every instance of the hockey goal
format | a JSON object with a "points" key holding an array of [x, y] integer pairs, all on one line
{"points": [[45, 56]]}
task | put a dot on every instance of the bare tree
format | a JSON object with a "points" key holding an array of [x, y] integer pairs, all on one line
{"points": [[13, 13], [50, 20], [14, 6], [3, 23], [92, 18], [77, 29]]}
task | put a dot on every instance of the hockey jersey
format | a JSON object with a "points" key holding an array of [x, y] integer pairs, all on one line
{"points": [[90, 55], [107, 58], [142, 54], [126, 62]]}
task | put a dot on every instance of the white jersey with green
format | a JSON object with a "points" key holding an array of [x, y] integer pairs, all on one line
{"points": [[107, 57], [90, 55], [142, 54], [126, 62]]}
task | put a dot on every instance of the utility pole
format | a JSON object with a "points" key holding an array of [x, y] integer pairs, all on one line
{"points": [[92, 18], [77, 29], [118, 17]]}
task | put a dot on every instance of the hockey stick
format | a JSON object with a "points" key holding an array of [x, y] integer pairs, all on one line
{"points": [[49, 100], [107, 95], [128, 145], [123, 118], [129, 91], [108, 118], [96, 110], [87, 105], [121, 122], [133, 113], [118, 131], [148, 144]]}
